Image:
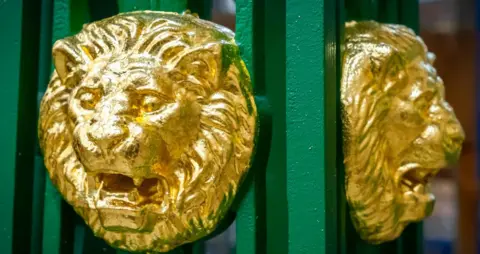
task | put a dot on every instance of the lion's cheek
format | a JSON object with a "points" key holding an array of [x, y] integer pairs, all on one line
{"points": [[88, 153], [149, 152], [178, 128], [415, 209]]}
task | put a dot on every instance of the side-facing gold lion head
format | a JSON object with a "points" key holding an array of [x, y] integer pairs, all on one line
{"points": [[398, 128], [148, 127]]}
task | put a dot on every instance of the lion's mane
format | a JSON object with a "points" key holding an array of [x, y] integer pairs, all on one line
{"points": [[208, 177]]}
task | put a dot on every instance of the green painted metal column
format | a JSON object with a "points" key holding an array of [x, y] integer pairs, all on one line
{"points": [[311, 105], [39, 174], [52, 229], [274, 54], [164, 5], [10, 49], [246, 221], [19, 49]]}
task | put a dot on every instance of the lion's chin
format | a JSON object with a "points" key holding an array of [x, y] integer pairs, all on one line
{"points": [[119, 219], [415, 199], [417, 209]]}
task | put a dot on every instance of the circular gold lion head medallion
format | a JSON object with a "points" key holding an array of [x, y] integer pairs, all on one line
{"points": [[148, 126]]}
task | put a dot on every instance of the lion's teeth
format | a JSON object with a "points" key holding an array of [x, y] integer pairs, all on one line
{"points": [[407, 182], [137, 181], [420, 188]]}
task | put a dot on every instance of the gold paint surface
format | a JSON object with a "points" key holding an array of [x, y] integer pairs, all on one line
{"points": [[148, 127], [398, 128]]}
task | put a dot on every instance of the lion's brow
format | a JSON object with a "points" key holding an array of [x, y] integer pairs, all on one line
{"points": [[138, 63]]}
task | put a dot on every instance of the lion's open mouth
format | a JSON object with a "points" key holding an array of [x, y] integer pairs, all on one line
{"points": [[124, 191], [415, 179]]}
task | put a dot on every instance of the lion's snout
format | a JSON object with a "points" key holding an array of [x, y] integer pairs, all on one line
{"points": [[107, 135], [454, 137]]}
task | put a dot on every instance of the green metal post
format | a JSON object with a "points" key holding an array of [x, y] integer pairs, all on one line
{"points": [[25, 124], [246, 222], [412, 238], [11, 16], [311, 125], [164, 5], [44, 71], [202, 7], [274, 29], [53, 201]]}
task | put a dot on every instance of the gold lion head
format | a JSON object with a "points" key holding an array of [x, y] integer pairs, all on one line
{"points": [[398, 128], [148, 127]]}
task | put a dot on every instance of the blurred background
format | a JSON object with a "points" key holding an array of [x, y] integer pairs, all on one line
{"points": [[448, 29]]}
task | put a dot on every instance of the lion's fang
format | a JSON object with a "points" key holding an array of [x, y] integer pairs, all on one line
{"points": [[137, 181]]}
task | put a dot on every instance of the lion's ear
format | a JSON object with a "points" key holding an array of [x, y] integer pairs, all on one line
{"points": [[66, 58]]}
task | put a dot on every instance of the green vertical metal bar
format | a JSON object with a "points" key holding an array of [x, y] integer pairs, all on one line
{"points": [[274, 28], [53, 201], [102, 9], [343, 220], [308, 109], [246, 221], [198, 248], [409, 14], [79, 15], [80, 230], [133, 5], [164, 5], [25, 124], [10, 49], [333, 34], [362, 9], [202, 7], [388, 11], [169, 5], [251, 216], [412, 238], [44, 66], [250, 221]]}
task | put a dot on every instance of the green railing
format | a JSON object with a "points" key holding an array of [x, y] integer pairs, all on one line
{"points": [[293, 199]]}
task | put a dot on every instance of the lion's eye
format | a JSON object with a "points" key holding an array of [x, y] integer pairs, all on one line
{"points": [[151, 103], [424, 102], [88, 99]]}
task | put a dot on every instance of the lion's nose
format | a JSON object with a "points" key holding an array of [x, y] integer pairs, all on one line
{"points": [[454, 137], [455, 132], [107, 135]]}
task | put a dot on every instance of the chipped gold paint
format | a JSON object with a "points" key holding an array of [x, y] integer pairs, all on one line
{"points": [[148, 127], [398, 128]]}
